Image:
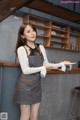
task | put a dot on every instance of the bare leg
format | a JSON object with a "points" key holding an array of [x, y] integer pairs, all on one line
{"points": [[34, 111], [25, 112]]}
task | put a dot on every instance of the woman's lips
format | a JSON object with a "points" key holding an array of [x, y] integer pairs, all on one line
{"points": [[33, 37]]}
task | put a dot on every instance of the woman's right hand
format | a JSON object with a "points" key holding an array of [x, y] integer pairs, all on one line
{"points": [[43, 72]]}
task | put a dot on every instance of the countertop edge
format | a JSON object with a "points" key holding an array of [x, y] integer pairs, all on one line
{"points": [[54, 71]]}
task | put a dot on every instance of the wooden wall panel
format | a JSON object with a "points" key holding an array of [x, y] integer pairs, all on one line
{"points": [[44, 6], [7, 7]]}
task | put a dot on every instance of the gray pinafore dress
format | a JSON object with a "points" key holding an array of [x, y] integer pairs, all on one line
{"points": [[28, 87]]}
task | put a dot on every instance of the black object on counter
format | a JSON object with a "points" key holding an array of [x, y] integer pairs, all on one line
{"points": [[78, 64]]}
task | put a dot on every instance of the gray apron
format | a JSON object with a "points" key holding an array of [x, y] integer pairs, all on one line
{"points": [[28, 88]]}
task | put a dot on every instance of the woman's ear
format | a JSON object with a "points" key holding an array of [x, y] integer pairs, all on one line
{"points": [[23, 39], [22, 36]]}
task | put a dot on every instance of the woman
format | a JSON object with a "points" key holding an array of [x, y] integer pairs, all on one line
{"points": [[34, 65]]}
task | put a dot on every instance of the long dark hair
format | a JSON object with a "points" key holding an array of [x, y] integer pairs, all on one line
{"points": [[20, 40]]}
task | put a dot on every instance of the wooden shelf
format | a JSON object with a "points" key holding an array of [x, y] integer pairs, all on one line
{"points": [[42, 36], [41, 26], [53, 31], [36, 18], [59, 30], [74, 34], [57, 42], [59, 36]]}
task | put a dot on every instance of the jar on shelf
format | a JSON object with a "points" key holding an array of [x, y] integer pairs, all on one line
{"points": [[53, 33]]}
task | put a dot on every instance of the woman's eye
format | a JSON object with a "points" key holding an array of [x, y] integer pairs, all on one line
{"points": [[28, 31]]}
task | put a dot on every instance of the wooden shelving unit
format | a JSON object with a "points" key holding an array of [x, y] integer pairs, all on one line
{"points": [[59, 35], [55, 34], [75, 34]]}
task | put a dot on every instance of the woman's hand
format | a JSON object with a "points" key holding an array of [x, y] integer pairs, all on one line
{"points": [[43, 72], [68, 63], [55, 66]]}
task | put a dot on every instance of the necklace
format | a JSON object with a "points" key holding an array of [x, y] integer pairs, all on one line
{"points": [[31, 47]]}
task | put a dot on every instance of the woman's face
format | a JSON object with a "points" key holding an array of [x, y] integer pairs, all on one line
{"points": [[29, 33]]}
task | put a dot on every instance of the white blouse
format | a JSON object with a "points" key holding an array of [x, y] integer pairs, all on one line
{"points": [[24, 62]]}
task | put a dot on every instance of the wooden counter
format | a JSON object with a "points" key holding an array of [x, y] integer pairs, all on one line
{"points": [[73, 71], [57, 92], [13, 64], [9, 64]]}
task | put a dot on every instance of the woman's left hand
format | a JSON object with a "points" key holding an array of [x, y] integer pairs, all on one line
{"points": [[68, 63]]}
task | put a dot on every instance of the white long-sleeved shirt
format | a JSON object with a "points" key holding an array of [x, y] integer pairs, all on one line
{"points": [[24, 62]]}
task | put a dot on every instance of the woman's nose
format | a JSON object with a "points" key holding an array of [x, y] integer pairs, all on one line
{"points": [[33, 33]]}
